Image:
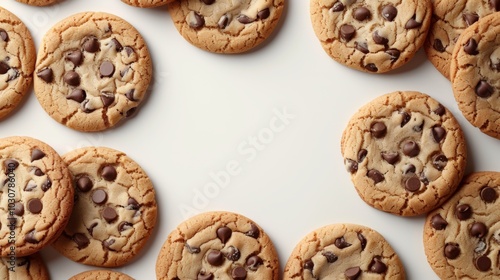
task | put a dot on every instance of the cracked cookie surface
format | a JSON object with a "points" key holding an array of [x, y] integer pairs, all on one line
{"points": [[92, 71], [101, 275], [475, 74], [405, 152], [147, 3], [462, 237], [218, 245], [225, 26], [36, 195], [115, 208], [38, 2], [344, 251], [30, 267], [371, 36], [17, 61]]}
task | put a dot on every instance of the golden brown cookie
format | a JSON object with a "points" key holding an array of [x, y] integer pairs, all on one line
{"points": [[101, 275], [146, 3], [38, 2], [29, 267]]}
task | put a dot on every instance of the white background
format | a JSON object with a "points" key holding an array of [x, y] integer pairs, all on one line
{"points": [[203, 110]]}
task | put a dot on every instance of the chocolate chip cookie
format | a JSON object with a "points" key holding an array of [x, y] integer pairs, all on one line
{"points": [[462, 237], [218, 245], [449, 19], [371, 36], [475, 72], [36, 197], [38, 2], [101, 275], [17, 61], [405, 152], [224, 26], [93, 70], [146, 3], [344, 251], [115, 208], [29, 267]]}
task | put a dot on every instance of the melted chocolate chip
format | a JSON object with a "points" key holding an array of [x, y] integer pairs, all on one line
{"points": [[77, 95], [205, 276], [371, 67], [389, 12], [438, 45], [483, 263], [81, 240], [379, 39], [362, 240], [38, 172], [393, 53], [411, 148], [123, 226], [263, 14], [30, 237], [239, 273], [337, 7], [10, 164], [351, 165], [91, 44], [108, 243], [108, 172], [76, 57], [3, 35], [495, 4], [347, 32], [440, 110], [439, 162], [375, 175], [253, 232], [412, 184], [470, 18], [215, 258], [72, 78], [309, 265], [107, 98], [451, 251], [107, 69], [91, 228], [438, 133], [409, 168], [483, 89], [4, 68], [412, 23], [46, 185], [478, 230], [341, 243], [405, 118], [377, 266], [18, 209], [254, 262], [35, 205], [488, 194], [330, 256], [378, 129], [130, 112], [463, 211], [99, 196], [118, 46], [46, 74], [244, 19], [224, 233], [362, 155], [362, 13], [208, 2], [192, 250], [36, 154], [352, 273], [438, 223], [362, 47], [223, 22], [471, 47], [130, 95], [133, 204], [109, 214], [390, 157], [232, 253]]}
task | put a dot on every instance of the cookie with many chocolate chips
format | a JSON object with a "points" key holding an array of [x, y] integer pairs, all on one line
{"points": [[405, 152], [449, 20], [371, 36], [344, 251], [218, 245], [93, 70], [146, 3], [475, 73], [17, 61], [115, 208], [224, 26], [101, 275], [462, 237], [29, 267], [36, 196]]}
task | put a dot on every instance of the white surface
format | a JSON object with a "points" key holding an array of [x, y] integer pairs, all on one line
{"points": [[205, 109]]}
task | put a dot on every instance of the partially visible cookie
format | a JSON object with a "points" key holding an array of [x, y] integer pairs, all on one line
{"points": [[38, 2], [101, 275], [225, 26], [475, 73], [371, 36], [29, 267], [218, 245], [449, 19], [115, 208], [344, 251], [36, 195], [92, 71], [146, 3], [405, 152], [462, 237], [17, 61]]}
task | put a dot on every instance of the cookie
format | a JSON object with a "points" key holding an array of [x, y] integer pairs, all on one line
{"points": [[218, 245], [146, 3], [29, 267], [17, 61], [36, 195], [449, 19], [475, 69], [371, 36], [101, 275], [38, 2], [93, 70], [344, 251], [224, 26], [405, 152], [462, 237], [115, 208]]}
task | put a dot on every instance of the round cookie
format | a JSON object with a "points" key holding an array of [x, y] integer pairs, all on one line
{"points": [[405, 152], [101, 275], [115, 208], [371, 36], [224, 26], [344, 251], [17, 61], [218, 245], [36, 195], [93, 70], [462, 237], [475, 72], [146, 3], [28, 267], [38, 2], [449, 19]]}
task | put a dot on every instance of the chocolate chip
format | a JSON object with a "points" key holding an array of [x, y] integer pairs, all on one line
{"points": [[362, 240], [362, 47], [109, 214], [330, 256], [239, 273], [389, 12], [451, 251], [438, 223], [76, 57], [99, 196], [411, 148], [253, 232], [362, 13], [24, 261], [393, 53], [440, 110], [405, 118], [91, 228], [418, 128], [309, 265], [438, 133], [352, 273], [46, 75], [91, 44], [77, 95], [378, 129], [129, 51], [483, 263], [244, 19], [423, 178], [81, 240], [495, 4], [36, 154], [208, 2], [130, 112], [107, 69], [192, 250], [347, 32], [375, 175], [46, 185], [362, 155], [3, 35], [488, 194], [224, 233], [351, 165], [130, 95], [205, 276], [337, 7], [478, 230], [263, 14], [232, 254], [4, 68], [439, 162], [133, 204], [463, 211], [72, 78], [107, 98], [124, 71], [215, 258], [483, 89], [409, 168], [379, 39], [470, 18], [18, 209], [38, 172], [390, 157], [412, 184], [471, 47], [223, 21], [118, 46], [438, 45], [412, 23], [371, 67], [108, 243], [108, 172], [123, 226], [30, 237], [377, 266], [35, 205], [254, 262], [341, 243]]}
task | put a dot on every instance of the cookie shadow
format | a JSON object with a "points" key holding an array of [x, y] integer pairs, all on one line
{"points": [[417, 61]]}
